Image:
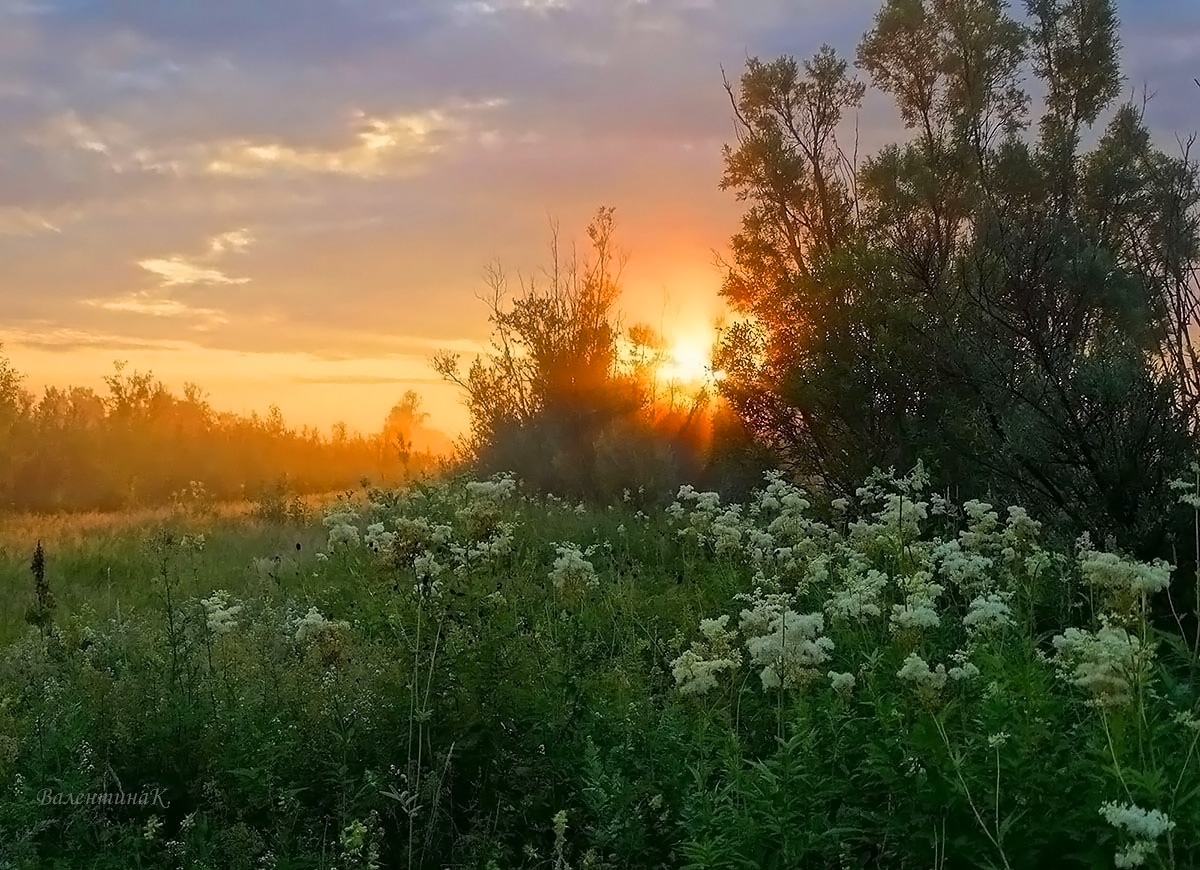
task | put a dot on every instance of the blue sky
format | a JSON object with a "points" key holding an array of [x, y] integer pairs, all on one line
{"points": [[294, 200]]}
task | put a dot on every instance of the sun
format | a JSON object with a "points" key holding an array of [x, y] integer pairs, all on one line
{"points": [[688, 361]]}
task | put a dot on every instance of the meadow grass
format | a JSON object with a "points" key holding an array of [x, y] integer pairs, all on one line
{"points": [[464, 675]]}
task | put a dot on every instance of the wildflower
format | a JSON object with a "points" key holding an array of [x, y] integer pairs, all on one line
{"points": [[427, 567], [220, 615], [916, 670], [987, 612], [1107, 664], [967, 570], [915, 614], [696, 671], [843, 684], [1110, 571], [313, 625], [378, 540], [1187, 719], [713, 629], [965, 671], [1145, 826], [1020, 529], [859, 596], [981, 528], [787, 645], [572, 567], [695, 675], [499, 488], [918, 610], [342, 528], [726, 531], [995, 741]]}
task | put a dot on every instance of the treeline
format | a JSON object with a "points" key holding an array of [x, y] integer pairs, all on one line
{"points": [[142, 445]]}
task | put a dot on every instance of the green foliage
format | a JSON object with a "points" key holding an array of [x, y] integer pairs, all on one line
{"points": [[1013, 309], [459, 674]]}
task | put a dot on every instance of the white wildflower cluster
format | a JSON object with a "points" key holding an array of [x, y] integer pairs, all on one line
{"points": [[498, 543], [378, 540], [220, 612], [787, 646], [725, 533], [194, 543], [916, 670], [898, 517], [985, 555], [428, 569], [783, 508], [1108, 664], [427, 566], [572, 568], [1021, 531], [860, 593], [1187, 719], [784, 544], [697, 670], [983, 527], [843, 684], [1144, 827], [963, 669], [987, 613], [698, 509], [919, 609], [313, 625], [414, 535], [486, 504], [966, 570], [342, 523], [500, 488], [1109, 572]]}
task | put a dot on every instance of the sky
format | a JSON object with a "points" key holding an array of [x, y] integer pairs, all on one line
{"points": [[294, 201]]}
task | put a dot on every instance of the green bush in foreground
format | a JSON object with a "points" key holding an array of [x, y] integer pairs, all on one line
{"points": [[468, 677]]}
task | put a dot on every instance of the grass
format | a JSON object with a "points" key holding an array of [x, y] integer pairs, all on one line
{"points": [[476, 678]]}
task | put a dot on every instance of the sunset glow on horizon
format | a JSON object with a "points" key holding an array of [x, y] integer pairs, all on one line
{"points": [[293, 203]]}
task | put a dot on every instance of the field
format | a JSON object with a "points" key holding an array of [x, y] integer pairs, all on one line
{"points": [[462, 674]]}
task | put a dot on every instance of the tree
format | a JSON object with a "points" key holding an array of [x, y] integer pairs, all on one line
{"points": [[553, 355], [989, 298], [566, 397]]}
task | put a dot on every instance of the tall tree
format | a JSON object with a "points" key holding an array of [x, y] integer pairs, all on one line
{"points": [[994, 300]]}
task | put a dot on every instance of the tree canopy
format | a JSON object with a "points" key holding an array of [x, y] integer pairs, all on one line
{"points": [[988, 295]]}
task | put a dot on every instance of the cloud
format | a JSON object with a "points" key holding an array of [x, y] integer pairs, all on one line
{"points": [[235, 241], [378, 145], [143, 303], [66, 340], [177, 271]]}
